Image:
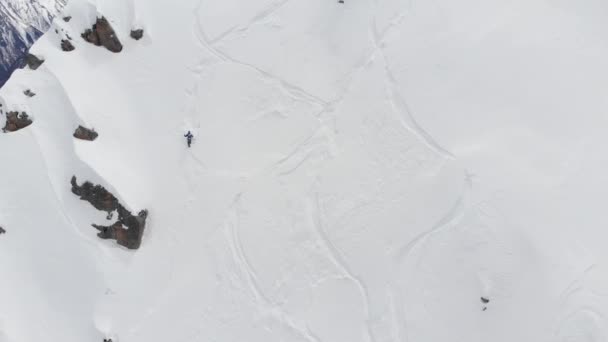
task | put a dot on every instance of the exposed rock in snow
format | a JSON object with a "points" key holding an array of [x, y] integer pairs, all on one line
{"points": [[29, 93], [102, 34], [127, 231], [2, 231], [66, 45], [16, 121], [96, 195], [103, 200], [84, 133], [33, 62], [137, 34]]}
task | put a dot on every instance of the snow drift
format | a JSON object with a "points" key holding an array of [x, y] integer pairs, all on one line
{"points": [[366, 171]]}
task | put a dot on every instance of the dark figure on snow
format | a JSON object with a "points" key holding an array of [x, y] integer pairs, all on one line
{"points": [[189, 137]]}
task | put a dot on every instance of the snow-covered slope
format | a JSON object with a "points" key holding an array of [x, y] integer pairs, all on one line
{"points": [[365, 171], [21, 23]]}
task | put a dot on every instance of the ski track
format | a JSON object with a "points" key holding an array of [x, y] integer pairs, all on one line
{"points": [[264, 304], [295, 92], [581, 310], [450, 219], [335, 255], [267, 12], [454, 215], [575, 285], [398, 315], [398, 101], [295, 152], [239, 256], [297, 166]]}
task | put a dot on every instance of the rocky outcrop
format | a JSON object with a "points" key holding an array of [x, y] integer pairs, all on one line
{"points": [[66, 45], [2, 231], [127, 230], [84, 133], [137, 34], [16, 121], [96, 195], [102, 34], [33, 62], [67, 19], [29, 93]]}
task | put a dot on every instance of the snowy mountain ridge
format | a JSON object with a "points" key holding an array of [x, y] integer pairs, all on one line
{"points": [[21, 23], [372, 171]]}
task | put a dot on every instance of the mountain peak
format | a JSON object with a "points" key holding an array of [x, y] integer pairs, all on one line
{"points": [[23, 21]]}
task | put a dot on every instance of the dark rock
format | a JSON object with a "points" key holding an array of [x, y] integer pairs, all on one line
{"points": [[127, 230], [137, 34], [90, 36], [16, 121], [96, 195], [84, 133], [67, 19], [485, 300], [102, 34], [66, 45], [2, 231], [33, 62], [29, 93]]}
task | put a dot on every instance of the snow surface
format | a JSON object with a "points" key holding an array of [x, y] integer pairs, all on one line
{"points": [[360, 172]]}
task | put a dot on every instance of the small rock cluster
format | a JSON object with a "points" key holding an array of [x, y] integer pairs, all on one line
{"points": [[29, 93], [16, 121], [485, 301], [33, 62], [66, 45], [137, 34], [127, 230], [84, 133], [102, 34], [2, 231]]}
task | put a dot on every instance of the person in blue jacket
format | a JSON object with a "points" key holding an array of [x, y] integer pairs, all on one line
{"points": [[189, 137]]}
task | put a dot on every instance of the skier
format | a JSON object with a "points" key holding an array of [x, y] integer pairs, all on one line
{"points": [[189, 137]]}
